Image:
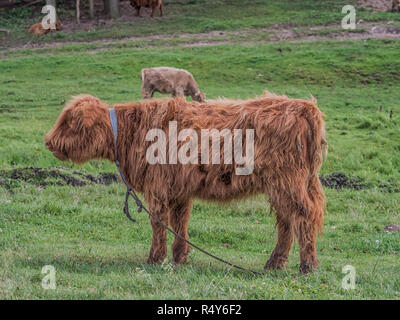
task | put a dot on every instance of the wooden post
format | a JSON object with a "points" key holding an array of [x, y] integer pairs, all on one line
{"points": [[91, 9], [78, 12]]}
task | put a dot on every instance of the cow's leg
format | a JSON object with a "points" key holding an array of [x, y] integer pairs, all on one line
{"points": [[179, 219], [179, 92], [158, 250], [280, 254], [299, 208], [147, 91], [138, 11], [306, 234], [161, 10], [147, 95], [152, 11], [307, 224]]}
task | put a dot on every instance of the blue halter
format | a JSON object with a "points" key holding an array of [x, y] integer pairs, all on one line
{"points": [[129, 190]]}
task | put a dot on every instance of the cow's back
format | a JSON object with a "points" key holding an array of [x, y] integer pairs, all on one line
{"points": [[165, 79]]}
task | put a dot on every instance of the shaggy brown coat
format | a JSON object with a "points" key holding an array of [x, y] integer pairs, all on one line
{"points": [[167, 80], [153, 4], [38, 29], [288, 147]]}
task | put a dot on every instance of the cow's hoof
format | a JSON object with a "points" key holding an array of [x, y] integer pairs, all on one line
{"points": [[306, 267], [180, 259], [275, 263], [155, 260]]}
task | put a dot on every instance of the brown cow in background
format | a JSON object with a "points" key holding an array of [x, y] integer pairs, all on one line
{"points": [[38, 29], [153, 4]]}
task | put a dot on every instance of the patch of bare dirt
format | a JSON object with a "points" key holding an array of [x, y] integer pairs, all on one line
{"points": [[273, 33], [363, 31], [61, 176], [338, 180], [376, 5], [392, 228], [204, 43], [58, 176]]}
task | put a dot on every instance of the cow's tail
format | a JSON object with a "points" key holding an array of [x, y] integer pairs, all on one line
{"points": [[317, 148], [317, 145]]}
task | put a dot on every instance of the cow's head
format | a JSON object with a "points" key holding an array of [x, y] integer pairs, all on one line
{"points": [[82, 131]]}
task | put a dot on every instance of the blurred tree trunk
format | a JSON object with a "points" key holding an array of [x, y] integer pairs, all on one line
{"points": [[51, 2], [114, 8], [91, 9], [106, 6], [78, 12]]}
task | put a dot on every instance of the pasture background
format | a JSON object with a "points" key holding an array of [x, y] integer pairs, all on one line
{"points": [[82, 232]]}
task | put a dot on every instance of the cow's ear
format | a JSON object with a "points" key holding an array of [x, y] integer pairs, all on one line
{"points": [[89, 117], [82, 117]]}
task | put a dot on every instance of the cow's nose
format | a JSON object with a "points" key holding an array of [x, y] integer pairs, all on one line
{"points": [[48, 145]]}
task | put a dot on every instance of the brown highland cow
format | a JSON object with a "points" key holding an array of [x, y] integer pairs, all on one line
{"points": [[288, 148], [38, 29], [153, 4]]}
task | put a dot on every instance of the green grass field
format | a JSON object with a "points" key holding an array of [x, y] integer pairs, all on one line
{"points": [[99, 254]]}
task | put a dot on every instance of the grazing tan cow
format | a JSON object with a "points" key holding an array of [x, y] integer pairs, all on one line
{"points": [[177, 82], [153, 4]]}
